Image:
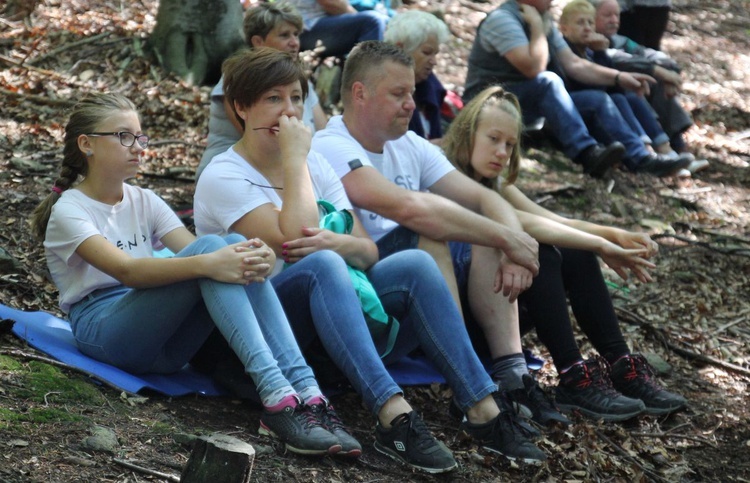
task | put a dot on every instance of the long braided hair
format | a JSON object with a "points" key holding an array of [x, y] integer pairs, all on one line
{"points": [[87, 114]]}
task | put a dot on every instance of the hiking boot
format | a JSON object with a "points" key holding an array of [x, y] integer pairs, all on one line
{"points": [[633, 376], [597, 159], [299, 429], [543, 408], [586, 388], [410, 442], [502, 435], [331, 422], [504, 403]]}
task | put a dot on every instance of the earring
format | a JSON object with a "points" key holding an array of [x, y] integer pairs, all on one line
{"points": [[89, 153]]}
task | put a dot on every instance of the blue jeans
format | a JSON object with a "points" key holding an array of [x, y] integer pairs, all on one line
{"points": [[606, 124], [625, 106], [340, 33], [546, 96], [159, 329], [647, 118], [412, 289]]}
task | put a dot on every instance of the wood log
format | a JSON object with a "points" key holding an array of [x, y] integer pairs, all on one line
{"points": [[219, 458]]}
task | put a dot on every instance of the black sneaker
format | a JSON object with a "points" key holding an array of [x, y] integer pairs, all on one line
{"points": [[410, 442], [597, 159], [331, 421], [299, 429], [586, 388], [504, 402], [633, 376], [502, 435], [543, 408]]}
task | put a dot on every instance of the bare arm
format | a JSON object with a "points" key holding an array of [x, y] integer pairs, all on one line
{"points": [[436, 217], [336, 7], [588, 72], [531, 59], [623, 238], [228, 265]]}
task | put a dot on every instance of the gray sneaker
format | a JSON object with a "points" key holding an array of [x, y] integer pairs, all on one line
{"points": [[331, 421], [410, 442], [299, 429]]}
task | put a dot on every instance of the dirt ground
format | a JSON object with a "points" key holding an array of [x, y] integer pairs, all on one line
{"points": [[694, 316]]}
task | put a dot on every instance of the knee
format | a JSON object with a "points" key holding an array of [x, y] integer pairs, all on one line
{"points": [[549, 79], [415, 261], [549, 257], [209, 243], [233, 238]]}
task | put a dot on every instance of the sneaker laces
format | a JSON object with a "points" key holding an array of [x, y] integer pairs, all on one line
{"points": [[508, 417], [639, 369], [328, 416], [596, 374], [423, 438], [305, 415]]}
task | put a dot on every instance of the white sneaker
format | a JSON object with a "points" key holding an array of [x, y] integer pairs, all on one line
{"points": [[698, 165]]}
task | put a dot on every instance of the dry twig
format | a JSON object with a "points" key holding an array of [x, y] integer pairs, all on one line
{"points": [[146, 471], [633, 318]]}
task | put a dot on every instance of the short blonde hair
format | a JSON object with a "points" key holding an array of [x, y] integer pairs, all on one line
{"points": [[576, 7]]}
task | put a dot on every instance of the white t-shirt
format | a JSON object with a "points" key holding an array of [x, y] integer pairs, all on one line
{"points": [[135, 225], [224, 192], [410, 161]]}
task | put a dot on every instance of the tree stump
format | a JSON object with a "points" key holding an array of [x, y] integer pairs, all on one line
{"points": [[219, 458]]}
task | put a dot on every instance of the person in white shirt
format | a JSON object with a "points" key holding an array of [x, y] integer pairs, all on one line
{"points": [[145, 314]]}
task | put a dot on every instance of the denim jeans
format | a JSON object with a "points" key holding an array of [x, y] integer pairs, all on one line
{"points": [[647, 118], [606, 124], [159, 329], [625, 107], [546, 96], [339, 33], [320, 302]]}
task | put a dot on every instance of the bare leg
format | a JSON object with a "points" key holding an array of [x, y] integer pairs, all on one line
{"points": [[497, 317], [442, 255], [393, 407]]}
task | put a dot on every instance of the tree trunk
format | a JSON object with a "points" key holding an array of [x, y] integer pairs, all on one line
{"points": [[18, 9], [193, 37]]}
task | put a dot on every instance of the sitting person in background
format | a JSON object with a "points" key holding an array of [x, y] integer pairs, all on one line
{"points": [[275, 25], [628, 55], [151, 315], [420, 34], [517, 45], [577, 26], [483, 142], [337, 25], [268, 185]]}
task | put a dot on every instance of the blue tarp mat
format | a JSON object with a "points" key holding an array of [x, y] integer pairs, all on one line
{"points": [[51, 335]]}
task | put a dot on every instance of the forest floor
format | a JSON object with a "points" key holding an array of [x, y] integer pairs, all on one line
{"points": [[694, 316]]}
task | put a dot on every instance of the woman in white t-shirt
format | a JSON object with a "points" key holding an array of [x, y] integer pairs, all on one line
{"points": [[151, 315]]}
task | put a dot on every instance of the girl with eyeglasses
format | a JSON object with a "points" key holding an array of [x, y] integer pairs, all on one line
{"points": [[151, 315]]}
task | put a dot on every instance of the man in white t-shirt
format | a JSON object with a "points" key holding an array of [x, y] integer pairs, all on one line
{"points": [[408, 195]]}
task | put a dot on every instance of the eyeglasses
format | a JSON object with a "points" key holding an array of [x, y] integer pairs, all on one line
{"points": [[127, 139]]}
